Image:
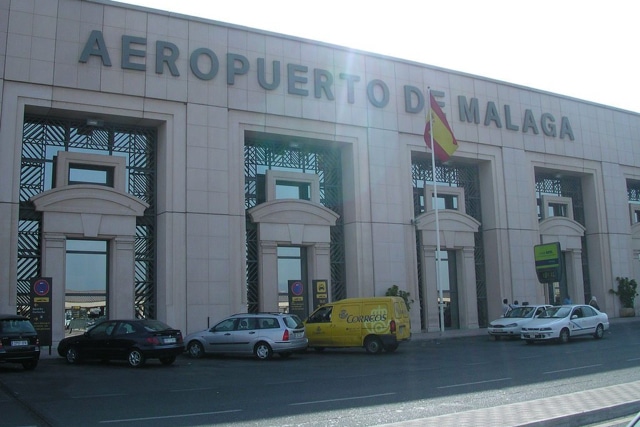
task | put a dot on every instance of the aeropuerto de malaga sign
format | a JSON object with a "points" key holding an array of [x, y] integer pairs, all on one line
{"points": [[205, 65]]}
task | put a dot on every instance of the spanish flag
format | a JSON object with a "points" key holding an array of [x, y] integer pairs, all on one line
{"points": [[445, 142]]}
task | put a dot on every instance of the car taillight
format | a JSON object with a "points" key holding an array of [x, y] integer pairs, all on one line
{"points": [[392, 326], [152, 340], [285, 335]]}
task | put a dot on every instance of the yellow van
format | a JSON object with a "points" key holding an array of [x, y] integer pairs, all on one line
{"points": [[373, 323]]}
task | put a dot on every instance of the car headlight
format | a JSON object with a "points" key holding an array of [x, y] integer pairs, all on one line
{"points": [[511, 325]]}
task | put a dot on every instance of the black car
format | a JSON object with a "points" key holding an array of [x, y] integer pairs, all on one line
{"points": [[132, 340], [18, 341]]}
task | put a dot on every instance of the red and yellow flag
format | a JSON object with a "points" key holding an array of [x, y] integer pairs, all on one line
{"points": [[445, 142]]}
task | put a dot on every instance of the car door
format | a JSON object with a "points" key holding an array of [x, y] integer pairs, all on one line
{"points": [[580, 323], [320, 328], [121, 340], [244, 337], [590, 319], [219, 339], [94, 344]]}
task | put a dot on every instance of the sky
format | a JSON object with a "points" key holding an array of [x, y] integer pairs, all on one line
{"points": [[582, 49]]}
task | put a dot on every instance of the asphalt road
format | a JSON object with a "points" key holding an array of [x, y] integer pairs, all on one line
{"points": [[424, 378]]}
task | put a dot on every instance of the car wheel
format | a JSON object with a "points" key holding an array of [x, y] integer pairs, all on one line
{"points": [[285, 354], [167, 360], [262, 351], [373, 345], [72, 355], [30, 365], [599, 332], [195, 349], [135, 358], [564, 336]]}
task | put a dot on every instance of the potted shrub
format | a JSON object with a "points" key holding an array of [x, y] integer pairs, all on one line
{"points": [[627, 292], [394, 291]]}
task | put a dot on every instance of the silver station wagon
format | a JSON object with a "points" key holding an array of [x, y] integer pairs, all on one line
{"points": [[260, 334]]}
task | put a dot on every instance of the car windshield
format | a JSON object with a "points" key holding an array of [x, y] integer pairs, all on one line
{"points": [[16, 325], [520, 312], [556, 312], [292, 321]]}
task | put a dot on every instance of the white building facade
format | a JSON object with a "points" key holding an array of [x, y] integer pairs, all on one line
{"points": [[165, 166]]}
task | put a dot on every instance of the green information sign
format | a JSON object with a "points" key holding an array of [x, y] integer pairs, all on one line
{"points": [[548, 262]]}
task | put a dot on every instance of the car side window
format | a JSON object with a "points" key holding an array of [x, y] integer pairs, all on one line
{"points": [[247, 323], [588, 312], [322, 315], [268, 323], [102, 330], [125, 328], [225, 326]]}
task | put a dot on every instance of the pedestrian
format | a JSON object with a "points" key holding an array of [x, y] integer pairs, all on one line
{"points": [[505, 306], [594, 303], [567, 300], [515, 304]]}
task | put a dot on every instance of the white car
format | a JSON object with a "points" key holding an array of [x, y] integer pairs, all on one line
{"points": [[510, 324], [564, 322]]}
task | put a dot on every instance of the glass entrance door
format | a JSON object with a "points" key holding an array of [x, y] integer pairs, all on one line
{"points": [[292, 262], [85, 283]]}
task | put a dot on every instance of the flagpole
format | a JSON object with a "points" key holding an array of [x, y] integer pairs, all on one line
{"points": [[435, 208]]}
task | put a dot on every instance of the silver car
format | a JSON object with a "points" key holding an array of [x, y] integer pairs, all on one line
{"points": [[260, 334]]}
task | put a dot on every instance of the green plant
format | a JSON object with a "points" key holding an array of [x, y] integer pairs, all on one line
{"points": [[394, 291], [627, 291]]}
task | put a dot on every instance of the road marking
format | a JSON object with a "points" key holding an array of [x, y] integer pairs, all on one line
{"points": [[633, 360], [180, 390], [341, 400], [286, 382], [572, 369], [93, 396], [197, 414], [475, 383]]}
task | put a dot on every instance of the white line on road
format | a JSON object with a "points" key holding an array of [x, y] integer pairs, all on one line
{"points": [[197, 414], [340, 400], [475, 383], [572, 369], [93, 396], [181, 390]]}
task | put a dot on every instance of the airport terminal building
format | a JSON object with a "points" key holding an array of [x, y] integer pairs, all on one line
{"points": [[166, 166]]}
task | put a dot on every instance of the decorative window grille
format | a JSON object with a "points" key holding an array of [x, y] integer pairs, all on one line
{"points": [[42, 138], [547, 184], [269, 152], [452, 175]]}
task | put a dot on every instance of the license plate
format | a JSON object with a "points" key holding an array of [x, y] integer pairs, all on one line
{"points": [[298, 334], [169, 340], [19, 343]]}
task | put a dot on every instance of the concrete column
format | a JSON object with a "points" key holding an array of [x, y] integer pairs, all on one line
{"points": [[430, 290], [54, 266], [575, 278], [122, 276], [468, 299], [268, 275]]}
